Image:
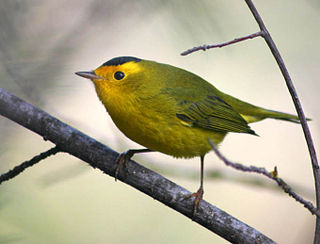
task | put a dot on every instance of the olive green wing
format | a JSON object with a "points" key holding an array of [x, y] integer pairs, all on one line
{"points": [[213, 113]]}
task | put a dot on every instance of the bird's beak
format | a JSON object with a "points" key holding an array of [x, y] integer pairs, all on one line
{"points": [[88, 74]]}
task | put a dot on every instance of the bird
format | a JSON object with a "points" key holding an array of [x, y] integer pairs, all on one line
{"points": [[171, 110]]}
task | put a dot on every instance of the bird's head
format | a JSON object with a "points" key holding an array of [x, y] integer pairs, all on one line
{"points": [[120, 72]]}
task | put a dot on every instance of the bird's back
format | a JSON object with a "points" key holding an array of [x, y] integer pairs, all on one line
{"points": [[184, 87]]}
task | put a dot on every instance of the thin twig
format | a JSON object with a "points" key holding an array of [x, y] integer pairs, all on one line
{"points": [[20, 168], [266, 35], [236, 40], [215, 175], [297, 104], [100, 156], [273, 175]]}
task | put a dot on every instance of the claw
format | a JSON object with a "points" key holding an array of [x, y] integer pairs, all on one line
{"points": [[198, 197], [122, 160]]}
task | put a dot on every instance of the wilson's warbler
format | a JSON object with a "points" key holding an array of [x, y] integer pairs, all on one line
{"points": [[170, 110]]}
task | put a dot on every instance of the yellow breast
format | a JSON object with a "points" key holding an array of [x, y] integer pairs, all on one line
{"points": [[157, 129]]}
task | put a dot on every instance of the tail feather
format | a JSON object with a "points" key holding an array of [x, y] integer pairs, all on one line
{"points": [[252, 113], [285, 116], [266, 113]]}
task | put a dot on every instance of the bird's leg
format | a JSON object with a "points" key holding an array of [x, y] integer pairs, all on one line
{"points": [[125, 157], [199, 194]]}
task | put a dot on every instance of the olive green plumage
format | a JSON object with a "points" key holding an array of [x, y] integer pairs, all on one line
{"points": [[171, 110], [201, 104]]}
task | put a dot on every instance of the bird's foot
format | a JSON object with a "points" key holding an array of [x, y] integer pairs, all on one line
{"points": [[198, 197], [122, 161]]}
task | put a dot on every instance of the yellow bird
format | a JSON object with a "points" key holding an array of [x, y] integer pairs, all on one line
{"points": [[170, 110]]}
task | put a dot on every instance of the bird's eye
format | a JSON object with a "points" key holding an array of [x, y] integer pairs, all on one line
{"points": [[119, 75]]}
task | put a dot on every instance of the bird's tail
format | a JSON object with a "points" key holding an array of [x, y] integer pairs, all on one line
{"points": [[252, 113], [262, 113]]}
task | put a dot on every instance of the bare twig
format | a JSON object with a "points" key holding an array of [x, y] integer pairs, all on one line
{"points": [[99, 156], [206, 47], [20, 168], [273, 175], [215, 175], [266, 35], [297, 104]]}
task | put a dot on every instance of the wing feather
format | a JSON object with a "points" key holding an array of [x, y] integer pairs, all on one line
{"points": [[213, 113]]}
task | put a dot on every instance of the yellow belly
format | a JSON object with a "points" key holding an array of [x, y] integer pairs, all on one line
{"points": [[166, 134], [154, 125]]}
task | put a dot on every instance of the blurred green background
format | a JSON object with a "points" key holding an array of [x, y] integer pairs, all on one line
{"points": [[62, 200]]}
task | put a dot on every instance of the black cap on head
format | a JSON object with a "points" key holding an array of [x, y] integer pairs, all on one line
{"points": [[120, 60]]}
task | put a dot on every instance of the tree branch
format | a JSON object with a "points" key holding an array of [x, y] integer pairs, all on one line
{"points": [[100, 156]]}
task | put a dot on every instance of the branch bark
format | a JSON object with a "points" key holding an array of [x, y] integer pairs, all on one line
{"points": [[102, 157]]}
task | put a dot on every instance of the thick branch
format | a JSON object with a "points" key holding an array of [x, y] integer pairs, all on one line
{"points": [[100, 156]]}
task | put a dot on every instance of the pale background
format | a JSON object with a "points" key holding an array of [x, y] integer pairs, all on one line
{"points": [[62, 200]]}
